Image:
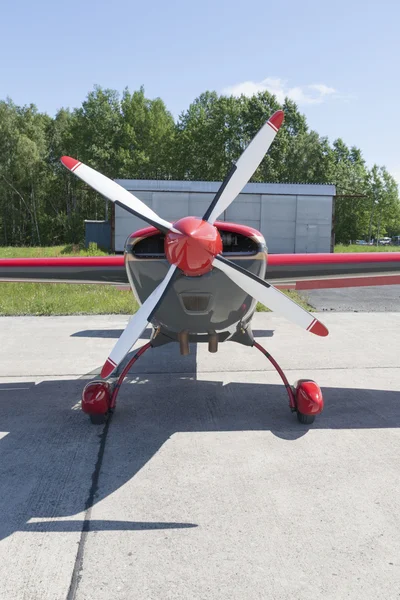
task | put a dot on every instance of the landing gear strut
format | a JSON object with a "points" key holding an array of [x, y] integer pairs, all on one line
{"points": [[305, 397], [100, 397]]}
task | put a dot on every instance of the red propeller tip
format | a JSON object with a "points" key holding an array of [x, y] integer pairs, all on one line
{"points": [[108, 368], [277, 119], [70, 163], [319, 329]]}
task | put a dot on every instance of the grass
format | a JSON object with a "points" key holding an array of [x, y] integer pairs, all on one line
{"points": [[45, 299], [357, 248], [48, 251], [93, 250], [18, 299], [39, 299], [293, 295], [64, 299]]}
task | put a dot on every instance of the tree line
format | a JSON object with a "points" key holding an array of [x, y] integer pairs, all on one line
{"points": [[130, 136]]}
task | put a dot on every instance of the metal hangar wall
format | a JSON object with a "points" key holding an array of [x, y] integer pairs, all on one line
{"points": [[293, 218]]}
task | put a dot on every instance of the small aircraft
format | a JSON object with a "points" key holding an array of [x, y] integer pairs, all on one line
{"points": [[197, 280]]}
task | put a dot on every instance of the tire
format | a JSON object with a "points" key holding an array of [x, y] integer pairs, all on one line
{"points": [[305, 419], [98, 419]]}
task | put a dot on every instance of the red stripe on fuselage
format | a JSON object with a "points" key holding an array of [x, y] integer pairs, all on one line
{"points": [[276, 260], [62, 261], [343, 282], [282, 260]]}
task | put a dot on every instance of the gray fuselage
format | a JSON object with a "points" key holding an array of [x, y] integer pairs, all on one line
{"points": [[206, 306]]}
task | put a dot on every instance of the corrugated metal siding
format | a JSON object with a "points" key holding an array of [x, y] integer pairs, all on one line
{"points": [[313, 224], [292, 217], [278, 222], [99, 232]]}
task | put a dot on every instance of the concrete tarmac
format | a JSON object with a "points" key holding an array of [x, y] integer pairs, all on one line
{"points": [[203, 485], [381, 298]]}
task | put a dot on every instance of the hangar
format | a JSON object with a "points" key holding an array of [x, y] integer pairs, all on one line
{"points": [[294, 218]]}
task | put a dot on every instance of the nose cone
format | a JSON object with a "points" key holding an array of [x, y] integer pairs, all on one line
{"points": [[192, 226], [195, 247]]}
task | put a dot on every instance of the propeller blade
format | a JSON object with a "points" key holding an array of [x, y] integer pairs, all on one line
{"points": [[116, 193], [137, 325], [268, 295], [244, 168]]}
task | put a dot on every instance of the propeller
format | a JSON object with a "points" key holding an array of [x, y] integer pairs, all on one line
{"points": [[137, 324], [270, 296], [244, 168], [193, 245], [116, 193]]}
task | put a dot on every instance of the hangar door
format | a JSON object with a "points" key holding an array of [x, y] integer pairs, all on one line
{"points": [[278, 223], [313, 224], [295, 224]]}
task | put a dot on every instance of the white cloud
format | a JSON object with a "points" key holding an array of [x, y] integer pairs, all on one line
{"points": [[306, 94]]}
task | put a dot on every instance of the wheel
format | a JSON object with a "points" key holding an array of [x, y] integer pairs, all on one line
{"points": [[98, 419], [305, 419], [309, 401], [96, 400]]}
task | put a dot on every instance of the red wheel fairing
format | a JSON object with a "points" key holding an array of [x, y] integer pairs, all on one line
{"points": [[96, 398], [309, 399]]}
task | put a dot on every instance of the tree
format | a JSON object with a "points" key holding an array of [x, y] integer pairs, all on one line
{"points": [[146, 137], [22, 171], [132, 136]]}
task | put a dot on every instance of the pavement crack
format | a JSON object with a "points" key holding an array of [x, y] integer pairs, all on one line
{"points": [[78, 565]]}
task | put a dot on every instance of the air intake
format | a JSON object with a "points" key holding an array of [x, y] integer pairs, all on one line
{"points": [[233, 244], [196, 303]]}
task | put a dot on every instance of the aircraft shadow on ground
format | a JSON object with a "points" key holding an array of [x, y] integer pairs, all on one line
{"points": [[50, 450], [108, 333], [116, 333]]}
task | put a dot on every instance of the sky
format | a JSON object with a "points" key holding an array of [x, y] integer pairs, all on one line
{"points": [[338, 60]]}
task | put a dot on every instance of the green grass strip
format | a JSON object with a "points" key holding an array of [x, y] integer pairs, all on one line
{"points": [[46, 299], [356, 248], [50, 251]]}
